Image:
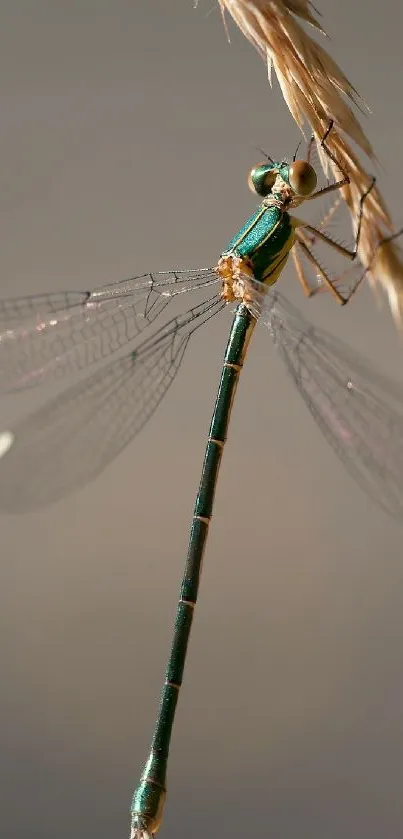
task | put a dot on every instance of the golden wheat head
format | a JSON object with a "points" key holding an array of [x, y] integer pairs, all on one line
{"points": [[316, 90]]}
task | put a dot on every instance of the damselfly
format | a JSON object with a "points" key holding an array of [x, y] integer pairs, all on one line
{"points": [[71, 438]]}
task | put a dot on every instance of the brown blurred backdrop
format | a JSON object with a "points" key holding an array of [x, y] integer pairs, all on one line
{"points": [[127, 130]]}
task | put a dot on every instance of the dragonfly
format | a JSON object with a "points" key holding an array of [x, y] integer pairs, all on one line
{"points": [[74, 435]]}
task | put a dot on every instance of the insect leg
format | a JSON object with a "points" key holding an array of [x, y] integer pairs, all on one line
{"points": [[302, 278], [338, 184], [351, 254]]}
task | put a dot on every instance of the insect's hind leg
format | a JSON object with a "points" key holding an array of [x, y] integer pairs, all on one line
{"points": [[328, 285], [350, 253], [309, 292], [303, 243]]}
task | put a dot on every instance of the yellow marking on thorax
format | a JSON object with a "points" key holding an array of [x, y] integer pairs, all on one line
{"points": [[274, 270]]}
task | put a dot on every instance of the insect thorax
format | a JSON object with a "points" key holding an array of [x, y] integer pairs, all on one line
{"points": [[260, 248]]}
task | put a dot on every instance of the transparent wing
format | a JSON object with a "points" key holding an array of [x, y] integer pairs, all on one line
{"points": [[46, 336], [359, 411], [72, 438]]}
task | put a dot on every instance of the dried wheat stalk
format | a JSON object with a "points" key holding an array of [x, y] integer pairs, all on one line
{"points": [[316, 90]]}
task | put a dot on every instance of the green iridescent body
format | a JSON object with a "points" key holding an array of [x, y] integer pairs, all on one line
{"points": [[265, 241]]}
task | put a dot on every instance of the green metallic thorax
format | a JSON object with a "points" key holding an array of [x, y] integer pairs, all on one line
{"points": [[265, 241]]}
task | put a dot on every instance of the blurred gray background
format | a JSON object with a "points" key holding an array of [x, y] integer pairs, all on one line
{"points": [[127, 130]]}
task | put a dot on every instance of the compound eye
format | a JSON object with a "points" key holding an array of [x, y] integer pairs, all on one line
{"points": [[261, 179], [302, 177]]}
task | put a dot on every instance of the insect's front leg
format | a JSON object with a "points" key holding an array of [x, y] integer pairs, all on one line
{"points": [[338, 184]]}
